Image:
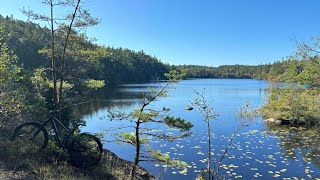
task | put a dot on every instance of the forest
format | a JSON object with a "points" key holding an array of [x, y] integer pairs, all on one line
{"points": [[114, 65], [27, 69]]}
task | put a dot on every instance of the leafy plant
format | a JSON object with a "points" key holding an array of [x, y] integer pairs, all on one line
{"points": [[143, 118], [64, 42], [10, 99]]}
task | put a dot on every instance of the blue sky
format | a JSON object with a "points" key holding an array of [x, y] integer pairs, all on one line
{"points": [[204, 32]]}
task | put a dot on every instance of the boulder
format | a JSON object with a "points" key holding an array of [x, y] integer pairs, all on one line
{"points": [[277, 121], [270, 120], [189, 108]]}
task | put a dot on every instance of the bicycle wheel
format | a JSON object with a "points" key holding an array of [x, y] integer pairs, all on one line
{"points": [[30, 136], [85, 150]]}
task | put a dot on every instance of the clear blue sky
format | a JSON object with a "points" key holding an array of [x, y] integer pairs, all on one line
{"points": [[204, 32]]}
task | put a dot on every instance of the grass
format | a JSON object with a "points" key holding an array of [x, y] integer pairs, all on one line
{"points": [[53, 163]]}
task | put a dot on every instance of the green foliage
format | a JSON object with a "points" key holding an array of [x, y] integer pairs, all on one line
{"points": [[16, 87], [50, 164], [298, 99], [9, 70], [175, 75], [310, 74], [40, 103], [93, 54], [263, 71], [95, 84], [178, 123], [144, 116], [294, 103], [87, 60], [142, 120], [165, 159], [66, 85], [131, 138], [10, 99], [40, 80]]}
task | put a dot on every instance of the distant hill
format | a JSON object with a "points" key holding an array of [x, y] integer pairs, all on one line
{"points": [[119, 65]]}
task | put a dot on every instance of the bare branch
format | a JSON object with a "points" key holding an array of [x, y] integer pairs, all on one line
{"points": [[308, 50], [59, 2], [34, 16]]}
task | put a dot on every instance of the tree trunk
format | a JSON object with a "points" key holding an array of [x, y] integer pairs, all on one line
{"points": [[136, 159], [53, 61], [209, 149], [65, 45]]}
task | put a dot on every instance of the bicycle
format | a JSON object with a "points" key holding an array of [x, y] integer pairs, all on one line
{"points": [[85, 150]]}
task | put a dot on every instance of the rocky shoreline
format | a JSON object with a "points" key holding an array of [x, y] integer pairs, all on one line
{"points": [[282, 122], [120, 168], [277, 121]]}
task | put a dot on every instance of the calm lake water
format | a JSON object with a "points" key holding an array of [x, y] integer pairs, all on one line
{"points": [[259, 151]]}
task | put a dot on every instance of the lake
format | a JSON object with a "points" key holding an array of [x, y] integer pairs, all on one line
{"points": [[260, 151]]}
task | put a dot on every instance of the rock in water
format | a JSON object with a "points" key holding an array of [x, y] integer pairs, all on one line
{"points": [[277, 121], [189, 108]]}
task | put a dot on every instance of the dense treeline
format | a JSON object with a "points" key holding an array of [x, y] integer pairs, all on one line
{"points": [[120, 65], [26, 39], [114, 65], [124, 65], [264, 71], [225, 71]]}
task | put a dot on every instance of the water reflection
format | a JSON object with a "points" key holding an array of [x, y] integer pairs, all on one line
{"points": [[298, 141], [262, 151], [122, 97]]}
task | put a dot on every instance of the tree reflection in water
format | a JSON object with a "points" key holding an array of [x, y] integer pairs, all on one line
{"points": [[122, 96], [298, 141]]}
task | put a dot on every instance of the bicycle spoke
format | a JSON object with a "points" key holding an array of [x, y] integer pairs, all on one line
{"points": [[85, 150], [30, 137]]}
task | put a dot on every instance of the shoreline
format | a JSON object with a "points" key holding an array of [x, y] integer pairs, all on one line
{"points": [[120, 167]]}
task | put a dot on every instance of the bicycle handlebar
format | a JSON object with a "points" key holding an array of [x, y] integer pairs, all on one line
{"points": [[77, 124]]}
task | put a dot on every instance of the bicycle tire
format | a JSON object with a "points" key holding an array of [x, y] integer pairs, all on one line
{"points": [[85, 150], [32, 137]]}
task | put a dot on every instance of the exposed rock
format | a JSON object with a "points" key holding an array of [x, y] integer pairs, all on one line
{"points": [[121, 168], [270, 120], [277, 121], [189, 108]]}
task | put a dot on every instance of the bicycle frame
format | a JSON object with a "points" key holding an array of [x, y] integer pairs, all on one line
{"points": [[78, 146], [55, 123]]}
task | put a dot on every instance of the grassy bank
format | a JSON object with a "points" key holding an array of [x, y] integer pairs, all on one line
{"points": [[52, 163]]}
